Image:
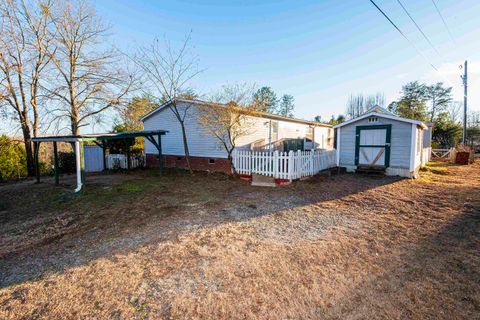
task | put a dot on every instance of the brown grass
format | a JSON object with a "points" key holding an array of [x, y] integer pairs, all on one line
{"points": [[342, 247]]}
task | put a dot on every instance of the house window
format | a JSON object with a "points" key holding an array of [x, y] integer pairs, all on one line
{"points": [[310, 132], [179, 158], [274, 131], [373, 119], [211, 161]]}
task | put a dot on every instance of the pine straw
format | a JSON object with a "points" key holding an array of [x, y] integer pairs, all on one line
{"points": [[345, 247]]}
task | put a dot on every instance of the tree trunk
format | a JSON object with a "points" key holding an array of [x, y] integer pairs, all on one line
{"points": [[230, 159], [185, 147], [28, 151]]}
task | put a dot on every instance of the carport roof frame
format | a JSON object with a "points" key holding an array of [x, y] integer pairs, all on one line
{"points": [[78, 141], [101, 136]]}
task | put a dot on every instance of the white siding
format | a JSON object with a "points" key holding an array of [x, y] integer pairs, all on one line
{"points": [[203, 144], [400, 142], [259, 130], [200, 142]]}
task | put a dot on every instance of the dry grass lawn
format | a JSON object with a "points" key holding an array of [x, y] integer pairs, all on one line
{"points": [[139, 246]]}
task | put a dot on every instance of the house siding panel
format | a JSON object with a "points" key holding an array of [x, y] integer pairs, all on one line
{"points": [[203, 144], [200, 142]]}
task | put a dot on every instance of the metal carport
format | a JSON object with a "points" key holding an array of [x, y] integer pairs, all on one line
{"points": [[100, 140]]}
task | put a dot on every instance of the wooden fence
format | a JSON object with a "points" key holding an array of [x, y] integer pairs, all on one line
{"points": [[284, 165], [445, 154]]}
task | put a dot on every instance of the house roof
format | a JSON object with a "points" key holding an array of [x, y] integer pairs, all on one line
{"points": [[383, 113], [257, 113]]}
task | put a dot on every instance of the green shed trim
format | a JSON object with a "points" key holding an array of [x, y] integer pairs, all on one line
{"points": [[388, 139]]}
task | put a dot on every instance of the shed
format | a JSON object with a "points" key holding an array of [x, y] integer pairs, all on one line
{"points": [[381, 140]]}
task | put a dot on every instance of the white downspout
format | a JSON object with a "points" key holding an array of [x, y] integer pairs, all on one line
{"points": [[270, 136], [338, 147], [78, 166]]}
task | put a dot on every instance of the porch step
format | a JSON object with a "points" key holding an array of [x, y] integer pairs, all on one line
{"points": [[371, 170], [263, 181]]}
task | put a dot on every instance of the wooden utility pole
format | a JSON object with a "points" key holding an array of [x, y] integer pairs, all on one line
{"points": [[465, 86]]}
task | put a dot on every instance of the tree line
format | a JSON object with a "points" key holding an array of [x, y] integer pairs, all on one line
{"points": [[428, 103], [59, 73]]}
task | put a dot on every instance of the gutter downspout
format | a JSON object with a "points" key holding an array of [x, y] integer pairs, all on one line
{"points": [[270, 136], [78, 166]]}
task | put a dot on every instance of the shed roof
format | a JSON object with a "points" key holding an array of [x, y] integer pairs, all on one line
{"points": [[257, 113], [387, 115]]}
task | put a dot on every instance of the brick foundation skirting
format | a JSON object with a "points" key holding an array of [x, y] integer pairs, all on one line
{"points": [[198, 163]]}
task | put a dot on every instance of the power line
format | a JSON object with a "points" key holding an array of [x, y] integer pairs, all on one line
{"points": [[411, 43], [444, 22], [418, 27], [403, 35]]}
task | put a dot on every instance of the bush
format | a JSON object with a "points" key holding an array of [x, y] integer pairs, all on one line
{"points": [[13, 159], [66, 162]]}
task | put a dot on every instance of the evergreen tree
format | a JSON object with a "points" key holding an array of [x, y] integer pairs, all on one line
{"points": [[265, 100], [286, 106]]}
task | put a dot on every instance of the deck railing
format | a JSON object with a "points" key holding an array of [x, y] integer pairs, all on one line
{"points": [[284, 165]]}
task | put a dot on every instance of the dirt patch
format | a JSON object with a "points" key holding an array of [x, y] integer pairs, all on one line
{"points": [[206, 246]]}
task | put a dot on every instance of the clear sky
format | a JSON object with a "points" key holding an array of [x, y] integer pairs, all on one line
{"points": [[318, 51]]}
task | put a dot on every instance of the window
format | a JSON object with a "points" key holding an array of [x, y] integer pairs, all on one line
{"points": [[179, 158], [310, 133], [373, 119], [274, 131], [211, 161], [274, 127]]}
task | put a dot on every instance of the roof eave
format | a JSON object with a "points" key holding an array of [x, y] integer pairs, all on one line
{"points": [[259, 114], [391, 117]]}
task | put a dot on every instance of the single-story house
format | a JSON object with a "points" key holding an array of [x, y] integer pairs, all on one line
{"points": [[267, 132], [378, 139]]}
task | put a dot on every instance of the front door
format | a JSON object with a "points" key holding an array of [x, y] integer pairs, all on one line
{"points": [[372, 148]]}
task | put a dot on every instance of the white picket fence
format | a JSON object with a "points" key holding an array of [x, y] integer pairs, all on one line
{"points": [[119, 161], [284, 165]]}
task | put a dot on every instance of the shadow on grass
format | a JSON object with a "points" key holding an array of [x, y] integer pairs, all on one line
{"points": [[117, 215], [435, 275]]}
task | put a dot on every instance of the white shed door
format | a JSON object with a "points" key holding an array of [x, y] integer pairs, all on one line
{"points": [[372, 147]]}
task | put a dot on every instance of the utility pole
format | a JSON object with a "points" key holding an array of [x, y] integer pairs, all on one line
{"points": [[465, 85]]}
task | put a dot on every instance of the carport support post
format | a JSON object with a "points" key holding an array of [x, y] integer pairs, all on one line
{"points": [[55, 161], [127, 145], [104, 152], [160, 160]]}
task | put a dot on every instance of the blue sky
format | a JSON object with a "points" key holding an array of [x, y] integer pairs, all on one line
{"points": [[318, 51]]}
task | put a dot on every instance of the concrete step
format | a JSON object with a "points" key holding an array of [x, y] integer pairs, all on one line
{"points": [[263, 181], [371, 170]]}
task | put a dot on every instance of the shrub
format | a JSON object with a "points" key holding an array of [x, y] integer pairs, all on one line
{"points": [[13, 159]]}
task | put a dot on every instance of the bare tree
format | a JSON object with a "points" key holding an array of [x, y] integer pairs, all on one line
{"points": [[23, 58], [440, 98], [228, 117], [90, 81], [168, 72], [359, 104], [455, 111]]}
